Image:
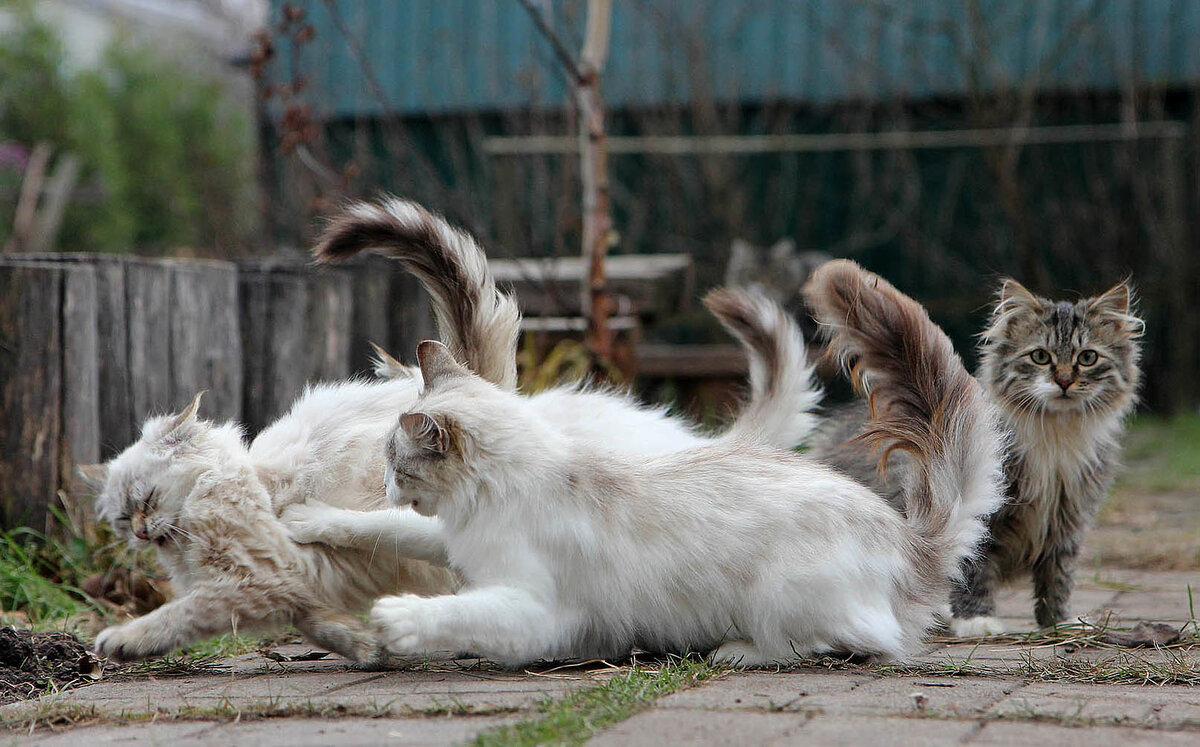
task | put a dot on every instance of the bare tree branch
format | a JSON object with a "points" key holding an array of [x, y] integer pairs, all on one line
{"points": [[563, 54]]}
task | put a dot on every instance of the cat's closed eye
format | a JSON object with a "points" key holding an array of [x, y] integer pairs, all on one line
{"points": [[1040, 356]]}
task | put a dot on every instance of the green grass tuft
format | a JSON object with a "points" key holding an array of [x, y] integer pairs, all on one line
{"points": [[581, 715], [27, 569]]}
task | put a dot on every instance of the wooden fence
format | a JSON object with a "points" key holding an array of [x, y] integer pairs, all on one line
{"points": [[91, 345]]}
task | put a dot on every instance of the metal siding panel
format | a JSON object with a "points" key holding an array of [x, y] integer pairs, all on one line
{"points": [[439, 55], [1154, 37], [1189, 40]]}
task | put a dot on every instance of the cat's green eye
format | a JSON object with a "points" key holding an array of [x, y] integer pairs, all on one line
{"points": [[1087, 358], [1041, 356]]}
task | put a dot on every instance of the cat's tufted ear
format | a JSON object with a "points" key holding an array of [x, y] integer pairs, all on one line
{"points": [[1114, 307], [180, 426], [93, 476], [1014, 295], [437, 363], [1115, 300], [425, 432]]}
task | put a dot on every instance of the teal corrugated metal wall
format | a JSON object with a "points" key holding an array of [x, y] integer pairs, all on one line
{"points": [[449, 55]]}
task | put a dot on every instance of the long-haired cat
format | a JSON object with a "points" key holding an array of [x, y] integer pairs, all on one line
{"points": [[573, 547], [209, 502], [195, 491], [1064, 376]]}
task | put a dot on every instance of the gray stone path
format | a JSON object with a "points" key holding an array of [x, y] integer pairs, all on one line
{"points": [[325, 702]]}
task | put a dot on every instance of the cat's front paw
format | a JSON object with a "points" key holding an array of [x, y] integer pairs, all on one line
{"points": [[975, 627], [309, 523], [125, 643], [401, 622], [739, 655]]}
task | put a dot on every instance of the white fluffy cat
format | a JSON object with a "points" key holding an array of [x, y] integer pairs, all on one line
{"points": [[195, 491], [209, 502], [574, 547]]}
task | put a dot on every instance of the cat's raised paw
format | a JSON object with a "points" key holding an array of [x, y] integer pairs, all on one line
{"points": [[399, 620], [975, 627], [307, 523]]}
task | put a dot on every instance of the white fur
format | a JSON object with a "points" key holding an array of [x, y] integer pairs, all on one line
{"points": [[572, 547], [325, 454], [975, 627]]}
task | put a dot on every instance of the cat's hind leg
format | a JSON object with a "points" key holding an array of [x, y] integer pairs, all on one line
{"points": [[346, 635]]}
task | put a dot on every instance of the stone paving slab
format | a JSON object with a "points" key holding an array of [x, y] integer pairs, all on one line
{"points": [[1171, 707], [448, 702], [858, 730], [656, 728], [1046, 734], [764, 690], [293, 732]]}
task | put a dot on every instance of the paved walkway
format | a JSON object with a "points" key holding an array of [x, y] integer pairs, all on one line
{"points": [[998, 696]]}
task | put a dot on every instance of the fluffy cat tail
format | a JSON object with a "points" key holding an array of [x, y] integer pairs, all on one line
{"points": [[783, 387], [479, 324], [922, 401]]}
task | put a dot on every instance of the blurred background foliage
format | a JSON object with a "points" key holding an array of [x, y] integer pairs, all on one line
{"points": [[166, 163]]}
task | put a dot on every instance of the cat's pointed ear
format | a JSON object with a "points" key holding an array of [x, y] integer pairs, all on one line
{"points": [[1115, 306], [437, 363], [425, 432], [93, 476], [180, 426], [1115, 300], [1013, 294]]}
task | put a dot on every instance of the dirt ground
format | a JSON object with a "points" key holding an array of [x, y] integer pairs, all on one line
{"points": [[1151, 520], [34, 663]]}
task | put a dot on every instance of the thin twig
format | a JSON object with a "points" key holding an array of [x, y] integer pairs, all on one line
{"points": [[563, 54]]}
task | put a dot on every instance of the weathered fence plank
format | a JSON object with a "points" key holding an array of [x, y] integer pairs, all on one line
{"points": [[296, 329], [330, 314], [91, 345], [205, 348], [148, 320], [410, 317], [116, 427], [30, 390], [371, 291], [81, 374]]}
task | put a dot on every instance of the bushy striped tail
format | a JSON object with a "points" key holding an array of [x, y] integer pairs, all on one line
{"points": [[783, 388], [923, 401], [479, 324]]}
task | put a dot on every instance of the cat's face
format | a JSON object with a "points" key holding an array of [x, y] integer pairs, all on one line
{"points": [[1045, 356], [435, 451], [135, 491]]}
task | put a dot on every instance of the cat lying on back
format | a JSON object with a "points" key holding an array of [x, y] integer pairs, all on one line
{"points": [[1064, 376], [209, 502], [572, 547]]}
